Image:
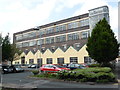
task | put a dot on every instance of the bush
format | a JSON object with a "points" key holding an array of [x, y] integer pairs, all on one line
{"points": [[94, 65], [95, 70], [35, 72], [100, 75]]}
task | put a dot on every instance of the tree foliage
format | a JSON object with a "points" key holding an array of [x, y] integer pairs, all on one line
{"points": [[9, 50], [102, 45], [6, 48]]}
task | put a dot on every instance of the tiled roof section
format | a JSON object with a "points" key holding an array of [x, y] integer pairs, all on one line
{"points": [[33, 51], [26, 52], [62, 48]]}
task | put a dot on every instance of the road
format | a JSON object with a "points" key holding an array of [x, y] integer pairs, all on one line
{"points": [[21, 80]]}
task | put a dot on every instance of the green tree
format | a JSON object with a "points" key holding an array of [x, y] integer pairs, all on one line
{"points": [[15, 53], [102, 45], [6, 48], [9, 51]]}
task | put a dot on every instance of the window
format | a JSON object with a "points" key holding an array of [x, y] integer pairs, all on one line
{"points": [[32, 34], [73, 59], [25, 36], [61, 38], [49, 30], [60, 61], [40, 42], [58, 39], [60, 28], [72, 25], [32, 43], [39, 61], [25, 44], [52, 40], [49, 60], [84, 34], [42, 32], [31, 61], [73, 36], [84, 22], [49, 40], [19, 37], [87, 60]]}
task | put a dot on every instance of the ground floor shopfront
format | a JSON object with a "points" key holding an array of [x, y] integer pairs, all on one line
{"points": [[58, 57]]}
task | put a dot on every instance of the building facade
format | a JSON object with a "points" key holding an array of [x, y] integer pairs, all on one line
{"points": [[59, 42]]}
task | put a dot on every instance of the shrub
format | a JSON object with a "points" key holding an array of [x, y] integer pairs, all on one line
{"points": [[98, 74], [35, 72], [94, 65], [92, 77], [106, 76]]}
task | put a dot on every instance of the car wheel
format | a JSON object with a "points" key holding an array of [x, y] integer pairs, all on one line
{"points": [[14, 71]]}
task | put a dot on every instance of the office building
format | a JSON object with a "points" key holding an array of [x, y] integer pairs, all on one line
{"points": [[59, 42]]}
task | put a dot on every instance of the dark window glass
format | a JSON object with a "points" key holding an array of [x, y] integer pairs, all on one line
{"points": [[60, 61], [49, 60], [87, 60], [31, 61], [73, 59]]}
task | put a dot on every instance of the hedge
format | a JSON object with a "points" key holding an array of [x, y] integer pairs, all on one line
{"points": [[99, 75]]}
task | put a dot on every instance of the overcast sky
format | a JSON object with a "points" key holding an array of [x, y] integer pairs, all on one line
{"points": [[19, 15]]}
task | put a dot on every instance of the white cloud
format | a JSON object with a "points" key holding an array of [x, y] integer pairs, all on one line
{"points": [[18, 15]]}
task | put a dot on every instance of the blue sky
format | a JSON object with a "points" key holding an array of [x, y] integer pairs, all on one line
{"points": [[19, 15]]}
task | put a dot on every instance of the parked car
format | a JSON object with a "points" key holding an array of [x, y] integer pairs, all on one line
{"points": [[33, 66], [52, 67], [17, 68], [6, 69], [73, 66], [85, 64], [65, 65]]}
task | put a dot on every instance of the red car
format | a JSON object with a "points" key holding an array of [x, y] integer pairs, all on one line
{"points": [[52, 68]]}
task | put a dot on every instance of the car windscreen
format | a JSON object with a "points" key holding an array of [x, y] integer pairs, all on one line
{"points": [[59, 66]]}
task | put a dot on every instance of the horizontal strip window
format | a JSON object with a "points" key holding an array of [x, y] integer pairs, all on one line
{"points": [[74, 36], [85, 34], [84, 22], [26, 36], [19, 37], [49, 40], [32, 43], [72, 25], [61, 38], [25, 44], [40, 42], [68, 26], [60, 28], [49, 30]]}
